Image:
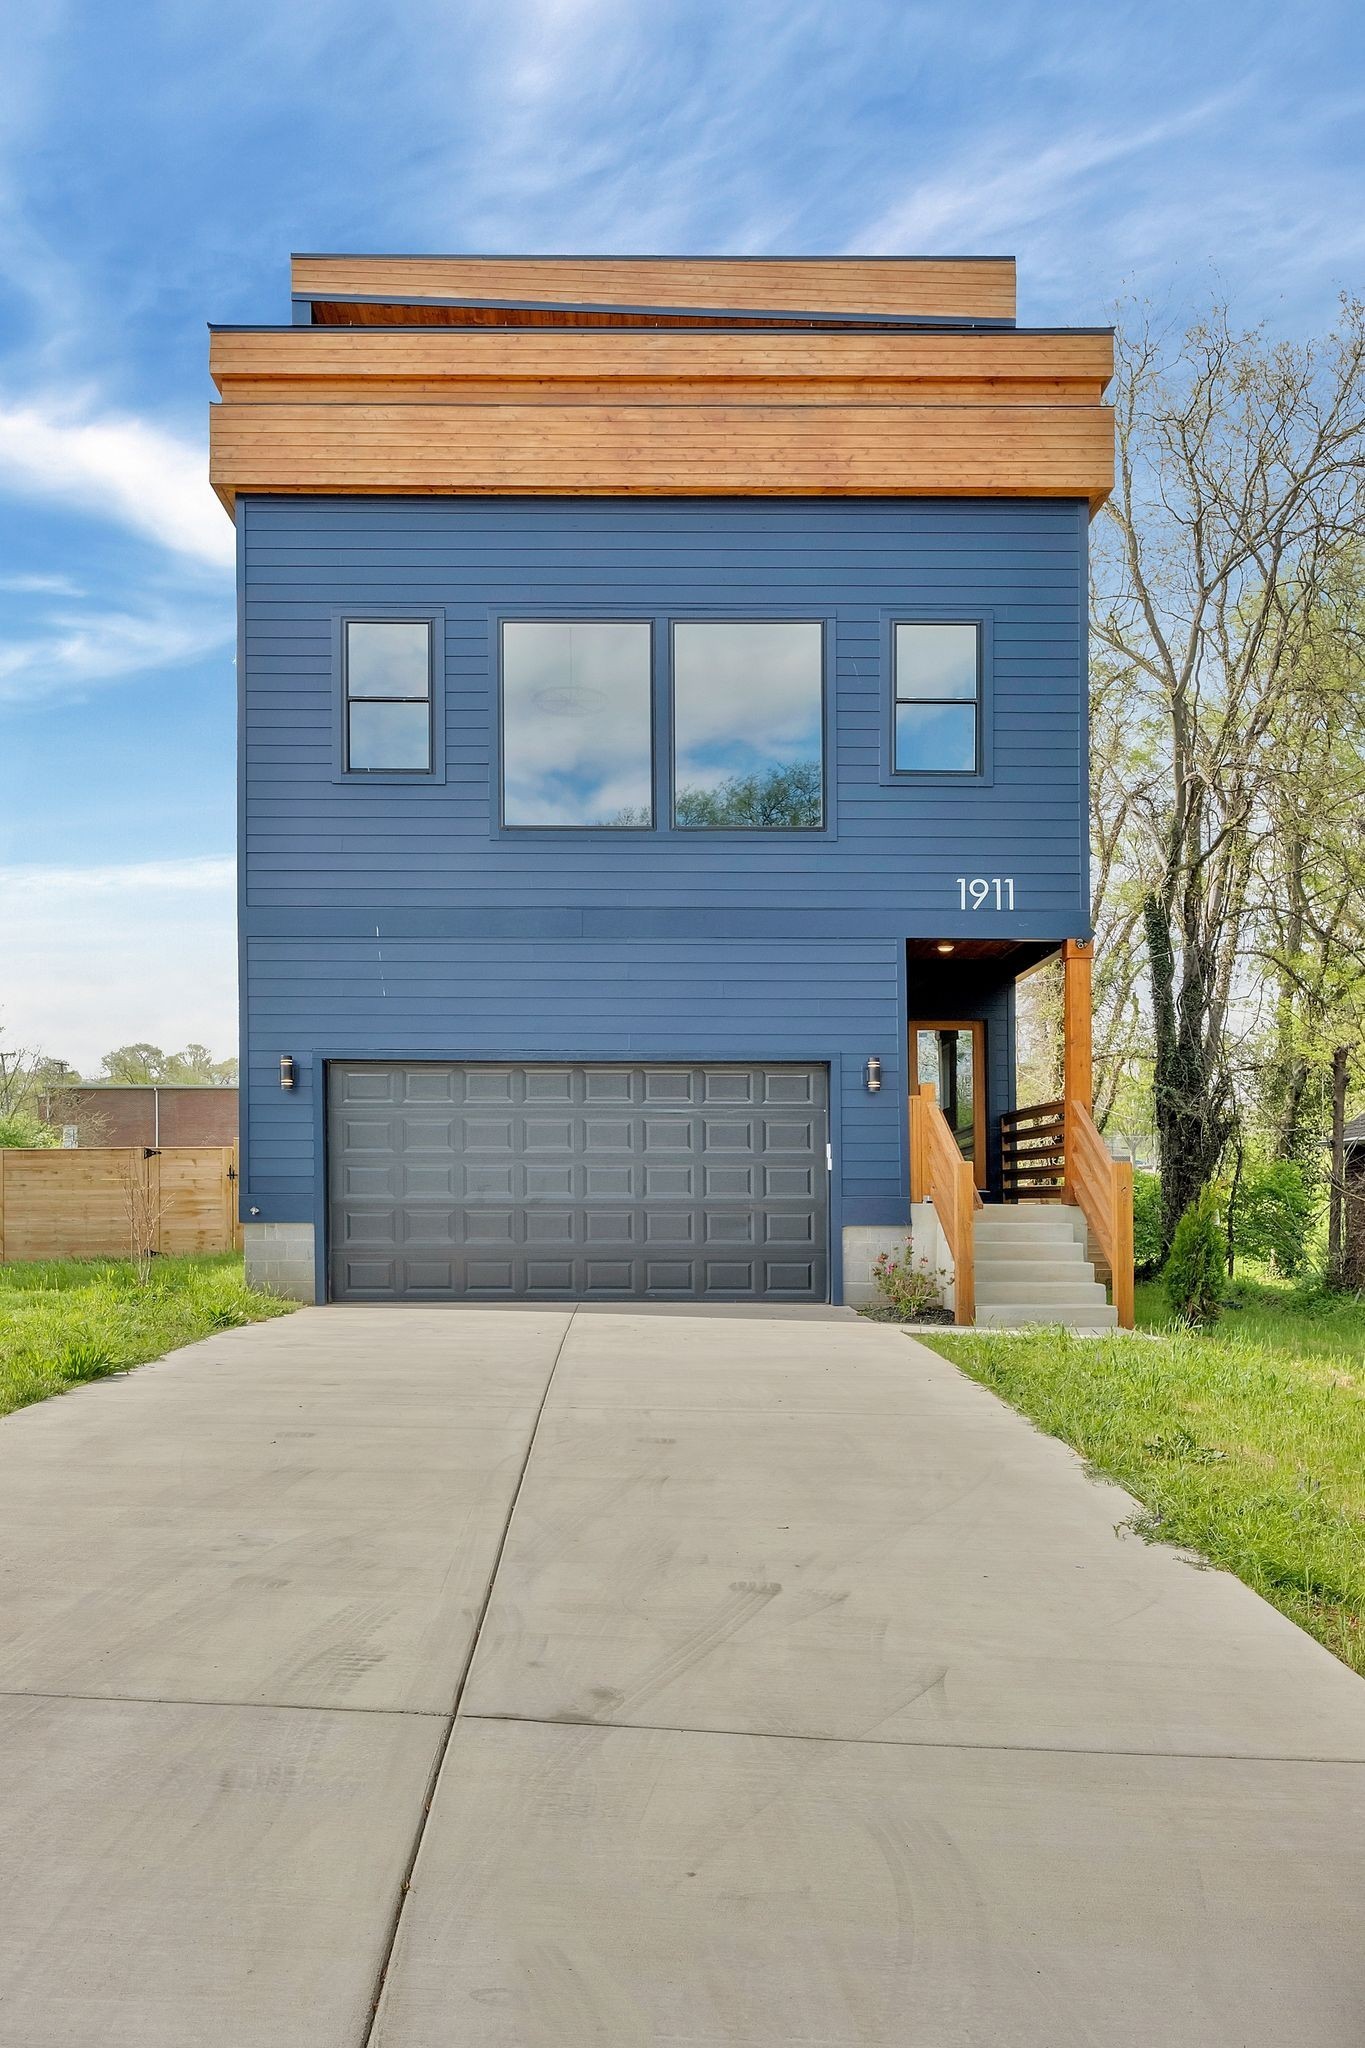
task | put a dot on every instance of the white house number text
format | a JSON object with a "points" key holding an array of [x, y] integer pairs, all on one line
{"points": [[975, 892]]}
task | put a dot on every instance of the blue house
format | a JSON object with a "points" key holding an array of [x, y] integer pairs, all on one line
{"points": [[663, 748]]}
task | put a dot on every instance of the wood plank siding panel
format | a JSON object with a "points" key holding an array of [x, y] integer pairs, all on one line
{"points": [[400, 921], [1081, 356], [970, 287], [606, 450]]}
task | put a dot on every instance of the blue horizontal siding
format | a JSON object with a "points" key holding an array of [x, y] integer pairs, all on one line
{"points": [[896, 849], [798, 999], [398, 921]]}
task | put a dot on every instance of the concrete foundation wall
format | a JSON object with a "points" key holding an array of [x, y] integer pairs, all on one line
{"points": [[279, 1259], [863, 1242]]}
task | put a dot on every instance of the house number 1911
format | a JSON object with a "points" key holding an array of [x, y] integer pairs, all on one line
{"points": [[976, 891]]}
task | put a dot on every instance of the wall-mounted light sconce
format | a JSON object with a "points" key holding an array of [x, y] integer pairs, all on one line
{"points": [[286, 1070], [874, 1075]]}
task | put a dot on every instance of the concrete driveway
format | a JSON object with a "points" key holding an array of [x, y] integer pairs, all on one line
{"points": [[805, 1696]]}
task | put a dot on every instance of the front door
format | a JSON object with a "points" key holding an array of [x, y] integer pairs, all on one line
{"points": [[950, 1057]]}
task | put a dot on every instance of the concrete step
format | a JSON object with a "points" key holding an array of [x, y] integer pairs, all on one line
{"points": [[1045, 1221], [1050, 1252], [1020, 1315], [1027, 1212], [1038, 1240], [1076, 1290]]}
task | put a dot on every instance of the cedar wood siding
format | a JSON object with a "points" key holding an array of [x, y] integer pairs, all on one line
{"points": [[399, 920]]}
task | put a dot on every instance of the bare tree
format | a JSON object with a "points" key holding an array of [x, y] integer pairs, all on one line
{"points": [[144, 1210], [1239, 483]]}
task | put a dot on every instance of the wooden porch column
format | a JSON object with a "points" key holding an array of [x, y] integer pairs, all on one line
{"points": [[1078, 1081]]}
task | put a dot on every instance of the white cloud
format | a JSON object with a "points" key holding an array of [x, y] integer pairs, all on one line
{"points": [[115, 467], [1012, 181], [41, 586], [73, 651], [96, 957]]}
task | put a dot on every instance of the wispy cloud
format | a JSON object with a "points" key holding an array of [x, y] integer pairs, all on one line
{"points": [[73, 653], [103, 955], [41, 586], [115, 466], [1011, 179], [129, 879]]}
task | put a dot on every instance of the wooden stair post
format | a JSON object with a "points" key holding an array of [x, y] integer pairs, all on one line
{"points": [[1078, 1059], [1099, 1185]]}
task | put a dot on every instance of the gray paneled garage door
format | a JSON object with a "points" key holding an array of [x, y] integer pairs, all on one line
{"points": [[567, 1181]]}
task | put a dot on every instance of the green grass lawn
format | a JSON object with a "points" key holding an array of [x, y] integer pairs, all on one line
{"points": [[1245, 1443], [64, 1321]]}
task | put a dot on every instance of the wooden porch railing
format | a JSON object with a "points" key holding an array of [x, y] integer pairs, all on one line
{"points": [[1053, 1152], [939, 1174], [1102, 1188]]}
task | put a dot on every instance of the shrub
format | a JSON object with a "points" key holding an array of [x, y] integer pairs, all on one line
{"points": [[1146, 1222], [22, 1131], [1273, 1216], [908, 1284], [1195, 1279]]}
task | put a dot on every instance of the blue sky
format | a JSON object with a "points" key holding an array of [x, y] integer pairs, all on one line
{"points": [[158, 164]]}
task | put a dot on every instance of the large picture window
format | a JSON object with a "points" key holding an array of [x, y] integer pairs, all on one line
{"points": [[748, 725], [938, 698], [577, 723], [388, 696]]}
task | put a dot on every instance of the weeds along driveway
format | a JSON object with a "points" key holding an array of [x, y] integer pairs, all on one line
{"points": [[815, 1699]]}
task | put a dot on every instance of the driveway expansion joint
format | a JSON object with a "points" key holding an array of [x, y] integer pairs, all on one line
{"points": [[452, 1717], [1194, 1756], [144, 1699]]}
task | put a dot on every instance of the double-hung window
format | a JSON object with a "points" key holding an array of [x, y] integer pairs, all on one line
{"points": [[387, 667], [937, 709]]}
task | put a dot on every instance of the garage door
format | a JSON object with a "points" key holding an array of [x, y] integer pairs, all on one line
{"points": [[499, 1182]]}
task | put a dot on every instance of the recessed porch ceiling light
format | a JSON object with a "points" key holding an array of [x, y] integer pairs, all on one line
{"points": [[944, 946]]}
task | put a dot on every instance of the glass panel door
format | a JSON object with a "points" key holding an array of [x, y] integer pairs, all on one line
{"points": [[950, 1059]]}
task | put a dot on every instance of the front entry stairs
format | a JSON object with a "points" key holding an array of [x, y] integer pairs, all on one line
{"points": [[1032, 1266]]}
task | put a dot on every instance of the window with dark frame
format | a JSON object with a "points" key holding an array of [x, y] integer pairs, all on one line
{"points": [[937, 709], [748, 725], [388, 696], [577, 718]]}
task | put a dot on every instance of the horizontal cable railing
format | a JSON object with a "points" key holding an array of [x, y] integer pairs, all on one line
{"points": [[1053, 1152], [1033, 1153]]}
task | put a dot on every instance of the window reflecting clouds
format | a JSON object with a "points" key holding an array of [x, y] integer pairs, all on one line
{"points": [[392, 737], [576, 723], [388, 696], [748, 724], [938, 687]]}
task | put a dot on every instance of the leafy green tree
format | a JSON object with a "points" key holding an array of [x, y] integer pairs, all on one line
{"points": [[138, 1065], [21, 1130], [26, 1076], [145, 1065], [1240, 463], [1310, 936], [788, 798], [1146, 1222], [1273, 1217]]}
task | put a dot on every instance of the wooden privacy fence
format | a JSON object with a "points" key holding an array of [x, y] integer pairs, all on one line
{"points": [[91, 1204]]}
